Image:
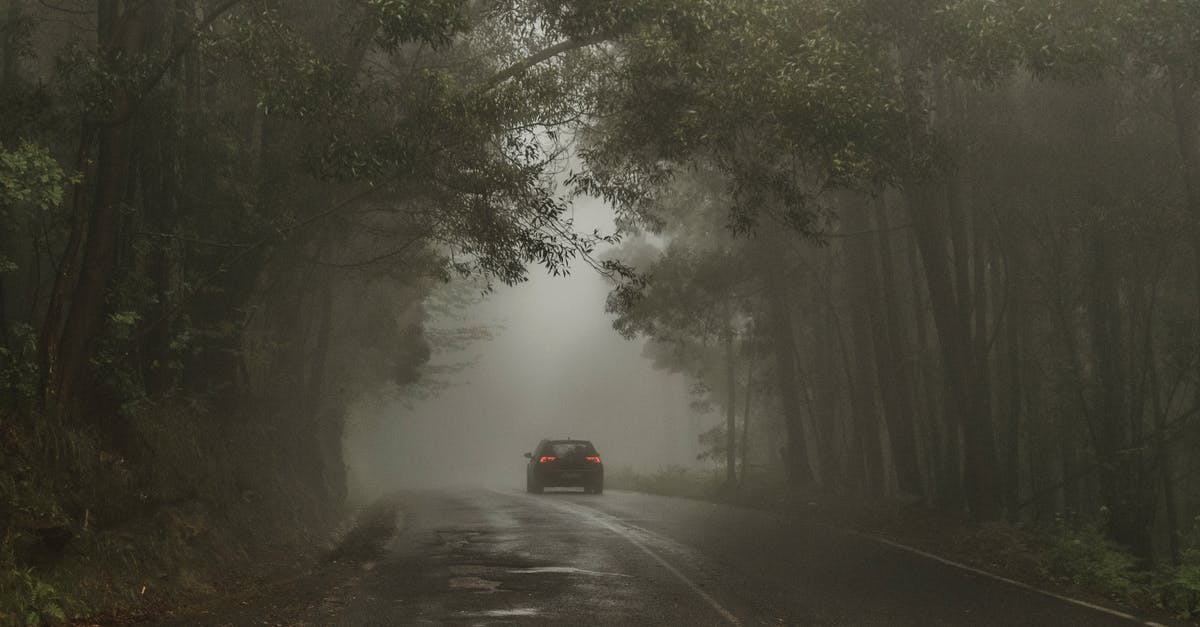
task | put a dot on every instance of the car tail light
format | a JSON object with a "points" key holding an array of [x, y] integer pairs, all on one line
{"points": [[594, 458], [546, 458]]}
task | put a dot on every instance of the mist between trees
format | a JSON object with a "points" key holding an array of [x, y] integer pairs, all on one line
{"points": [[939, 249]]}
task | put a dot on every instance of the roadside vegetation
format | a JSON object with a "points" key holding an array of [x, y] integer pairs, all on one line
{"points": [[219, 224], [941, 252]]}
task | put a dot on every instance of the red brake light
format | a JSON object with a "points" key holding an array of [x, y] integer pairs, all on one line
{"points": [[546, 458], [594, 458]]}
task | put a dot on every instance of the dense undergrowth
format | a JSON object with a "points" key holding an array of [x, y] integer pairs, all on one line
{"points": [[96, 532], [1070, 553]]}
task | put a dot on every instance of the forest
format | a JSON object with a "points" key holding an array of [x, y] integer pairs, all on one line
{"points": [[943, 251]]}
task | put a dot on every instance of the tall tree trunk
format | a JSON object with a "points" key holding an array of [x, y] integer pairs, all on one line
{"points": [[121, 38], [66, 273], [1119, 464], [1166, 465], [893, 370], [942, 460], [796, 457], [750, 359], [1183, 86], [869, 350], [730, 404], [966, 389], [827, 401], [1014, 322], [8, 82], [1186, 110], [11, 46]]}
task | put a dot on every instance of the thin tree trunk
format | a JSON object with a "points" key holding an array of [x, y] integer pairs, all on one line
{"points": [[869, 352], [796, 457], [67, 271], [750, 359], [1119, 466], [730, 406], [894, 376], [941, 459], [12, 46], [961, 368], [1166, 466]]}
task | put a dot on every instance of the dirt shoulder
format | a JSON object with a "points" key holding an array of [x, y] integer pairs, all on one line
{"points": [[312, 584]]}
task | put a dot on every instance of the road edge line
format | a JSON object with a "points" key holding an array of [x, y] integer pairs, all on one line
{"points": [[983, 573], [720, 609], [621, 529]]}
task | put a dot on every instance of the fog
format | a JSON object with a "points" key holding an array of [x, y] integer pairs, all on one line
{"points": [[553, 368], [937, 255]]}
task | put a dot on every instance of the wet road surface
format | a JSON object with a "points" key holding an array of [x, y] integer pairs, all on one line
{"points": [[505, 557]]}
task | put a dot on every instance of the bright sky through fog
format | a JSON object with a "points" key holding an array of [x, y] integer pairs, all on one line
{"points": [[555, 368]]}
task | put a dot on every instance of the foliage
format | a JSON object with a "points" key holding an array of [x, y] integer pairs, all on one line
{"points": [[18, 365], [31, 600], [29, 176], [713, 446], [265, 192], [1178, 588], [1085, 557]]}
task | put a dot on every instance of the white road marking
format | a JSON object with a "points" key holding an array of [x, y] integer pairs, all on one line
{"points": [[520, 611], [630, 534], [564, 570], [627, 531], [995, 577]]}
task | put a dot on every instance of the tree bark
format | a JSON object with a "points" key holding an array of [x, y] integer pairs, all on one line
{"points": [[1116, 451], [121, 37], [894, 378], [796, 458], [967, 390], [730, 405], [869, 351], [750, 359]]}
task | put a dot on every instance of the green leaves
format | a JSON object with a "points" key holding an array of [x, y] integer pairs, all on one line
{"points": [[434, 22], [30, 177]]}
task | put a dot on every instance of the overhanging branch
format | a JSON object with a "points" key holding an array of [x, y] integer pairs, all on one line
{"points": [[544, 54]]}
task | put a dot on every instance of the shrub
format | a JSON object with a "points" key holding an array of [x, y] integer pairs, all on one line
{"points": [[1085, 557], [26, 599]]}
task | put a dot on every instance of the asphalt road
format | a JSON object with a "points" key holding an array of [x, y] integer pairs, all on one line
{"points": [[505, 557]]}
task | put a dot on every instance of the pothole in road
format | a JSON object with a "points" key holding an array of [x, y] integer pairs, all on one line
{"points": [[454, 540]]}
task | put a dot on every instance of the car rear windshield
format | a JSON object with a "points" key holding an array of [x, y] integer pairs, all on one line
{"points": [[567, 450]]}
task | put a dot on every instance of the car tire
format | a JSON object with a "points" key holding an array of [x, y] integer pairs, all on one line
{"points": [[532, 487], [598, 488]]}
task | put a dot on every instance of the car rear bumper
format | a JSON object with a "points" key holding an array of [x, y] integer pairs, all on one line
{"points": [[569, 478]]}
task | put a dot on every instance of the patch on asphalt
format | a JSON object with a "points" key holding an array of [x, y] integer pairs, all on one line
{"points": [[476, 584]]}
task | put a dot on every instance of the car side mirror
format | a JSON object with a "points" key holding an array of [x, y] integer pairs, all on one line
{"points": [[529, 455]]}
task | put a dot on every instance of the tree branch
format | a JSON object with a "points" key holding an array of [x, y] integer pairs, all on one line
{"points": [[544, 54]]}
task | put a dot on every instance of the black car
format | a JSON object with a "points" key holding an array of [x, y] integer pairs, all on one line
{"points": [[564, 464]]}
